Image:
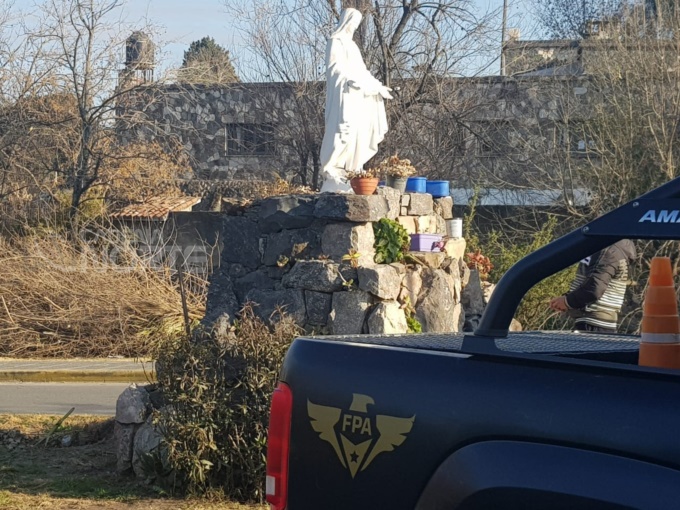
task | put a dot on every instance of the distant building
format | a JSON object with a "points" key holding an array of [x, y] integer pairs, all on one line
{"points": [[502, 131]]}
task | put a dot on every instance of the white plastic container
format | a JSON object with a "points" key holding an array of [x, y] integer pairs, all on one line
{"points": [[454, 228]]}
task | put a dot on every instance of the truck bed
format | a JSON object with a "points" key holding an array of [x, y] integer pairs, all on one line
{"points": [[622, 348], [581, 394]]}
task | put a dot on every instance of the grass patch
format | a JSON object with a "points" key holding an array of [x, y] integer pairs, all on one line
{"points": [[34, 476]]}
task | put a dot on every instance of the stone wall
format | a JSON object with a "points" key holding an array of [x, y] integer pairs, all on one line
{"points": [[288, 252], [502, 130], [199, 118]]}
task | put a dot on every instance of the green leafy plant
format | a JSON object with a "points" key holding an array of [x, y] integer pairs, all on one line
{"points": [[218, 388], [352, 257], [414, 325], [391, 241]]}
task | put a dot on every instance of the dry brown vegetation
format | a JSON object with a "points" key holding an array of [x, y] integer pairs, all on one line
{"points": [[80, 477], [88, 298]]}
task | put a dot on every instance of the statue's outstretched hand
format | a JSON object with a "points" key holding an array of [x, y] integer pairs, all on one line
{"points": [[385, 92]]}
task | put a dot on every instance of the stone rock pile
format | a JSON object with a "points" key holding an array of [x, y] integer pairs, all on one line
{"points": [[287, 252]]}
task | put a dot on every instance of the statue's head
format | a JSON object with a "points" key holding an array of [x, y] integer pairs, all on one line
{"points": [[350, 19]]}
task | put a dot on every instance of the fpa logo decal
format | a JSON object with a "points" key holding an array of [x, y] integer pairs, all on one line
{"points": [[356, 435]]}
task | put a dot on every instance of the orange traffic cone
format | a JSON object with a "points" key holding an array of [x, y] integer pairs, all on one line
{"points": [[660, 342]]}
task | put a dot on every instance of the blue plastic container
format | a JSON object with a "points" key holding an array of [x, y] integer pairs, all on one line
{"points": [[416, 185], [438, 189]]}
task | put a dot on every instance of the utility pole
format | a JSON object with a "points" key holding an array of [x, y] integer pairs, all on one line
{"points": [[503, 31]]}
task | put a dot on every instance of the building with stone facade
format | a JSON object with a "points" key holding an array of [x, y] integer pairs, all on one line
{"points": [[495, 131]]}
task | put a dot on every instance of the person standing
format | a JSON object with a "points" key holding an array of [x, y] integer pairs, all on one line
{"points": [[355, 116], [596, 294]]}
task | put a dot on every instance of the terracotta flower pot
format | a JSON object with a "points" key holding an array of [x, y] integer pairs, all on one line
{"points": [[364, 185]]}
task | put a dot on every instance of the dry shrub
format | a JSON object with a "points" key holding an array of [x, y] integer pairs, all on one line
{"points": [[64, 297], [219, 390], [257, 190]]}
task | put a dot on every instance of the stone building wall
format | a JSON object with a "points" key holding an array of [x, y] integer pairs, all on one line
{"points": [[493, 130], [288, 252], [229, 132]]}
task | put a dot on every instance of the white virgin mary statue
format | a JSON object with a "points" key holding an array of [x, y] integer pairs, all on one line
{"points": [[355, 112]]}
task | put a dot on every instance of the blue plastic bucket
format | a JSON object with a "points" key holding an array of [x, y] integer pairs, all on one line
{"points": [[416, 185], [438, 189]]}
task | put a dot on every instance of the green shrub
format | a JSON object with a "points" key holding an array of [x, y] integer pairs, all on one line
{"points": [[219, 391], [504, 251], [391, 241]]}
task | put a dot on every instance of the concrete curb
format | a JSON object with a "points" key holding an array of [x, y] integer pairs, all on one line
{"points": [[76, 370], [93, 376]]}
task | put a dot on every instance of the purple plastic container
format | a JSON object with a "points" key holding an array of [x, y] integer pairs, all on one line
{"points": [[425, 242]]}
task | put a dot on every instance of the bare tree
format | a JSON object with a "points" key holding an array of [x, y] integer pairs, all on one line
{"points": [[82, 42]]}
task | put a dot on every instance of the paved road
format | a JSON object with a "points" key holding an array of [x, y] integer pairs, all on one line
{"points": [[58, 398]]}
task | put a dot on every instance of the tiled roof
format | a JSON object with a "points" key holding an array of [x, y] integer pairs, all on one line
{"points": [[156, 208]]}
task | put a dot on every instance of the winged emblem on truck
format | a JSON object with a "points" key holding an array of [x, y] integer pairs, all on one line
{"points": [[357, 435]]}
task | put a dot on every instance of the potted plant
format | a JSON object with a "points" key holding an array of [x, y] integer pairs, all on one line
{"points": [[363, 182], [396, 171]]}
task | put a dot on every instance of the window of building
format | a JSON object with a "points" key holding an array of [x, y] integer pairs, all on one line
{"points": [[498, 138], [250, 139], [578, 140]]}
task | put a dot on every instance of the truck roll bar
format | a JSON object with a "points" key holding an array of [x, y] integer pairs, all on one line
{"points": [[654, 215]]}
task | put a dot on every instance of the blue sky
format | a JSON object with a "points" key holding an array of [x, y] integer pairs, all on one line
{"points": [[184, 21]]}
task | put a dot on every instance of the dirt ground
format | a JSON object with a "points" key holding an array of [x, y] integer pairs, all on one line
{"points": [[75, 470]]}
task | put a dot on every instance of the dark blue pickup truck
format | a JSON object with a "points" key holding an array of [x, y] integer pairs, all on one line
{"points": [[490, 420]]}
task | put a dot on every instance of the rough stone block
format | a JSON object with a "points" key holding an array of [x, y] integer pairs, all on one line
{"points": [[434, 260], [393, 198], [381, 280], [411, 285], [464, 272], [421, 204], [290, 301], [455, 248], [459, 316], [221, 304], [318, 275], [472, 296], [349, 312], [293, 244], [403, 211], [147, 441], [387, 318], [406, 200], [276, 273], [256, 280], [487, 290], [426, 224], [353, 208], [286, 212], [436, 303], [440, 227], [124, 437], [400, 268], [444, 207], [133, 405], [409, 223], [240, 241], [339, 238], [318, 307], [515, 325]]}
